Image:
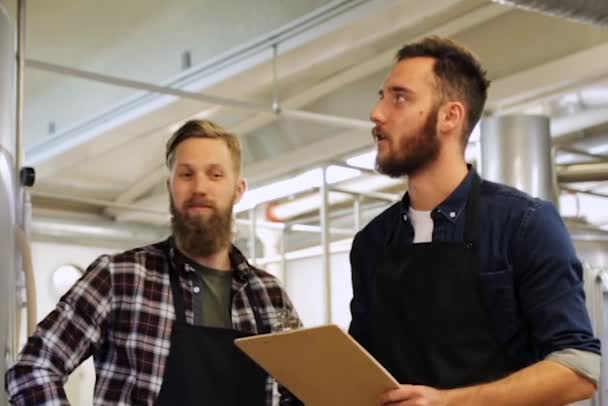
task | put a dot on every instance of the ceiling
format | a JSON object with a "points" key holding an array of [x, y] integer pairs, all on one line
{"points": [[98, 145]]}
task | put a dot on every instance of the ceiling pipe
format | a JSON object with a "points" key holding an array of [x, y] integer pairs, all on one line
{"points": [[95, 231], [588, 172], [585, 11]]}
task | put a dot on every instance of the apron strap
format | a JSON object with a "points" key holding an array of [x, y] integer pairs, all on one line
{"points": [[176, 290], [471, 230]]}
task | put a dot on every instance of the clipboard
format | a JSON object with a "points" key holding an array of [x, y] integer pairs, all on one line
{"points": [[322, 366]]}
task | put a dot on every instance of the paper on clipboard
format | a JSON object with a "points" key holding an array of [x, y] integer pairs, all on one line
{"points": [[320, 365]]}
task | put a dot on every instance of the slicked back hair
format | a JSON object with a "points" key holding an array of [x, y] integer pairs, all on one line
{"points": [[204, 129], [458, 73]]}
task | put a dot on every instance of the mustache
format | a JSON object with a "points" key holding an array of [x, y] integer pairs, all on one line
{"points": [[378, 134], [199, 202]]}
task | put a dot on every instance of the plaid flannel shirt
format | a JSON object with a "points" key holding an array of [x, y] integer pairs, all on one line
{"points": [[121, 312]]}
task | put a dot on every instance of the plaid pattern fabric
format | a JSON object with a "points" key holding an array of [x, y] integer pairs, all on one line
{"points": [[121, 312]]}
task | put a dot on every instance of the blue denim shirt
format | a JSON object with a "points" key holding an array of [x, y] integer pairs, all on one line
{"points": [[531, 280]]}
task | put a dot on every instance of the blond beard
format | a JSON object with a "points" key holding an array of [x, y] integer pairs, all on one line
{"points": [[202, 237]]}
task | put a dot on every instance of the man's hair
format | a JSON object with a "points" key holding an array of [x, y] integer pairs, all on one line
{"points": [[459, 75], [204, 129]]}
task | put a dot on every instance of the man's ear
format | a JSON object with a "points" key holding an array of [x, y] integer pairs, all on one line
{"points": [[451, 118], [241, 188]]}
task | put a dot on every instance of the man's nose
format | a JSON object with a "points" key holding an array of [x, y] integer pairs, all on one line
{"points": [[376, 115], [200, 184]]}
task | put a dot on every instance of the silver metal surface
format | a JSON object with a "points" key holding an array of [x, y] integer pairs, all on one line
{"points": [[7, 83], [325, 241], [283, 253], [516, 150], [8, 271], [252, 235], [8, 188], [20, 75], [357, 214]]}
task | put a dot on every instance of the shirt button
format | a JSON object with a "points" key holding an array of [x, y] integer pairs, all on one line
{"points": [[452, 214], [405, 217], [196, 289]]}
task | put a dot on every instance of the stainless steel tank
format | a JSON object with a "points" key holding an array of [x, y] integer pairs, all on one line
{"points": [[8, 190]]}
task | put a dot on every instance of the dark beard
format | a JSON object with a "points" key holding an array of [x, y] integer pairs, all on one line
{"points": [[201, 237], [413, 154]]}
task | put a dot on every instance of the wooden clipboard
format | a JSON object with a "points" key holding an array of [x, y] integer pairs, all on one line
{"points": [[322, 366]]}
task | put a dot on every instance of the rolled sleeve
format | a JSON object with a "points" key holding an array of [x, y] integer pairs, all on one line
{"points": [[585, 363]]}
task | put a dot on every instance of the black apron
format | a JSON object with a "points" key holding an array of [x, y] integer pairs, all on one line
{"points": [[428, 323], [204, 366]]}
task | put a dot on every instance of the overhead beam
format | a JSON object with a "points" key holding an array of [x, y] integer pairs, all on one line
{"points": [[237, 60], [323, 151], [512, 93], [562, 127], [308, 156], [372, 65], [141, 186], [577, 151]]}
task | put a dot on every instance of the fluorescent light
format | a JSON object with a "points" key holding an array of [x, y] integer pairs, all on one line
{"points": [[337, 174], [299, 183], [599, 149]]}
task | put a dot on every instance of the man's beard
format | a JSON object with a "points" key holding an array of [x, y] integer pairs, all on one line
{"points": [[199, 236], [413, 153]]}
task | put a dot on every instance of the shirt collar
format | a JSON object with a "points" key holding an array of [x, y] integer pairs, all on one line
{"points": [[453, 206], [240, 266]]}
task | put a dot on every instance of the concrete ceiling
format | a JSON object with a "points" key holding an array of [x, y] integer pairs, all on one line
{"points": [[105, 143]]}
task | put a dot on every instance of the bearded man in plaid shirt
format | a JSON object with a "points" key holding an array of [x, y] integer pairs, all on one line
{"points": [[160, 320]]}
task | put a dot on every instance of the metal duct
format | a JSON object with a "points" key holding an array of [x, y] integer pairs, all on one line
{"points": [[591, 172], [95, 232], [586, 11]]}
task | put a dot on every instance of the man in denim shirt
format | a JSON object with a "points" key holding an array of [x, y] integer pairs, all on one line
{"points": [[469, 292]]}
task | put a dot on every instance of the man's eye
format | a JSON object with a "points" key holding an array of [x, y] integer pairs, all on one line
{"points": [[399, 98]]}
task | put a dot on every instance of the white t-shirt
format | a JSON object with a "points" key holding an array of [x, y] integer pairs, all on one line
{"points": [[423, 225]]}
